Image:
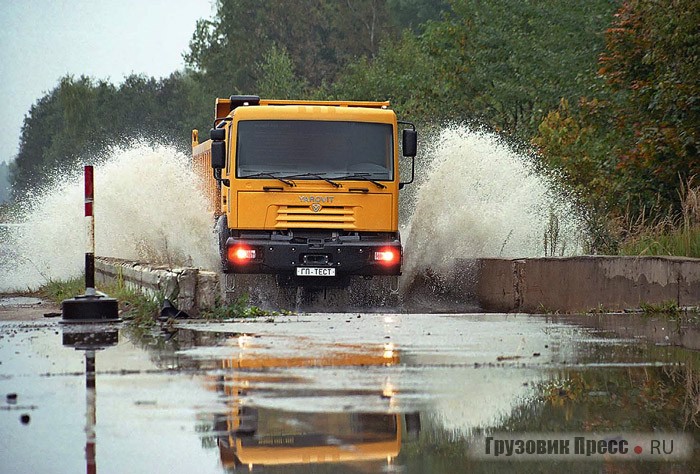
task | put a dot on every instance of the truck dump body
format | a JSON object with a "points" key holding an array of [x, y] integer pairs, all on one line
{"points": [[304, 189]]}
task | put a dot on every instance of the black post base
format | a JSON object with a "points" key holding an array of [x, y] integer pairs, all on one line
{"points": [[90, 309]]}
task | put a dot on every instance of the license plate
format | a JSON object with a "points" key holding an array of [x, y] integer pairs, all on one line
{"points": [[315, 272]]}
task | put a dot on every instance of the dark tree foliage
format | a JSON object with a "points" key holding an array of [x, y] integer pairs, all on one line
{"points": [[652, 60], [507, 63], [414, 14], [634, 140], [320, 37], [56, 128]]}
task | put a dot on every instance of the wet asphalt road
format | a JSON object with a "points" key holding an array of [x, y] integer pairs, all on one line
{"points": [[346, 392]]}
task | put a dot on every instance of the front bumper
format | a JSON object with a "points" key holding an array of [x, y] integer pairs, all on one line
{"points": [[349, 257]]}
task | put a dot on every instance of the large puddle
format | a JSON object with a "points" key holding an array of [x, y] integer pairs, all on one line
{"points": [[337, 393]]}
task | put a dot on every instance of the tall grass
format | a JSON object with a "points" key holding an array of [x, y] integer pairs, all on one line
{"points": [[59, 290], [680, 238], [683, 242]]}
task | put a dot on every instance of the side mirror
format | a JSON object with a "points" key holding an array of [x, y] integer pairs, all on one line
{"points": [[410, 142], [409, 145], [217, 134], [218, 155], [218, 148]]}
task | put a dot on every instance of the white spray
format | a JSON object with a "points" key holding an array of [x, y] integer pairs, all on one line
{"points": [[482, 199], [147, 207]]}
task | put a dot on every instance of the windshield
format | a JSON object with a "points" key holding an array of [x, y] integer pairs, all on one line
{"points": [[307, 147]]}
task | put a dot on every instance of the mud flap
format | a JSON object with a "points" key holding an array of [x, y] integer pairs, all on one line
{"points": [[394, 285], [229, 282]]}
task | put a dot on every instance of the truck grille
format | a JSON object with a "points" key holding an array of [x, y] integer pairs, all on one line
{"points": [[328, 217]]}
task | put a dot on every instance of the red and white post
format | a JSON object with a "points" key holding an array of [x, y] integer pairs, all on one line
{"points": [[90, 227], [90, 307]]}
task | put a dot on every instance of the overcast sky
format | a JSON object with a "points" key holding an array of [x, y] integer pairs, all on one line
{"points": [[41, 41]]}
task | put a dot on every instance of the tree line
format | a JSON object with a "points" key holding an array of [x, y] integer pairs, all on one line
{"points": [[605, 92]]}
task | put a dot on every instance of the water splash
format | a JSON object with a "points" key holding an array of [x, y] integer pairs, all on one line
{"points": [[147, 207], [477, 198], [482, 199]]}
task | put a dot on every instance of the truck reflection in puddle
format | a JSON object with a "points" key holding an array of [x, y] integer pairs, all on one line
{"points": [[277, 401], [250, 435]]}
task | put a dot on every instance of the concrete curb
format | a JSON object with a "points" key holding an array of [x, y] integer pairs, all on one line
{"points": [[579, 284], [190, 289], [531, 285]]}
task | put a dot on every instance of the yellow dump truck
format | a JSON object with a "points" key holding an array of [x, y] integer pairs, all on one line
{"points": [[306, 190]]}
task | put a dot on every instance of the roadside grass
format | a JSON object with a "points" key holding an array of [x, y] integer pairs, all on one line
{"points": [[679, 237], [59, 290], [134, 307], [684, 242], [240, 308], [671, 311], [141, 310], [667, 308]]}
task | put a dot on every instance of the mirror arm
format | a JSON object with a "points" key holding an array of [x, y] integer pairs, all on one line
{"points": [[410, 124], [413, 170], [219, 179], [413, 158]]}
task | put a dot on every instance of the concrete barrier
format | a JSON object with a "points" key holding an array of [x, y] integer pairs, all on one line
{"points": [[531, 285], [585, 283], [190, 289]]}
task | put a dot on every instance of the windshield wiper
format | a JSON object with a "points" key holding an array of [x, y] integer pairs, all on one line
{"points": [[364, 177], [314, 175], [270, 175]]}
